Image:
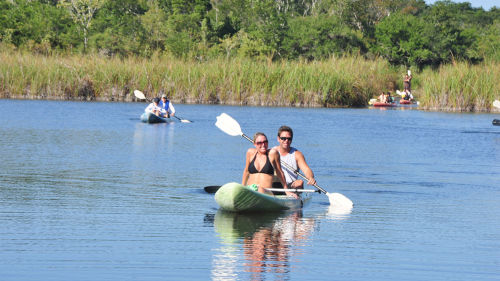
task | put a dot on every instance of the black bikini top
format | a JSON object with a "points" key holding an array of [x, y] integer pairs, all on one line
{"points": [[267, 169]]}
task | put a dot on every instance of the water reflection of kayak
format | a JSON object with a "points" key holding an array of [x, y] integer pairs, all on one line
{"points": [[238, 198], [149, 117], [383, 104], [260, 242], [238, 225]]}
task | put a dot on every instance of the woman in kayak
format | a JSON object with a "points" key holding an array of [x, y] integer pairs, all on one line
{"points": [[261, 164], [382, 98]]}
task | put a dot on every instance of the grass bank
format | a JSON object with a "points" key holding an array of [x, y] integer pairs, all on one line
{"points": [[337, 82], [461, 87], [346, 81]]}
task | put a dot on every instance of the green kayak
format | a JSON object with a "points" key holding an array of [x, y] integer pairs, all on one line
{"points": [[238, 198]]}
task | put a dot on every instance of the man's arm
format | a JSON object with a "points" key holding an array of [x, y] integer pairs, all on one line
{"points": [[171, 108], [301, 162]]}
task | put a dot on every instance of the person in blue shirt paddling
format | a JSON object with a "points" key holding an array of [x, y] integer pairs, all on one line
{"points": [[167, 106]]}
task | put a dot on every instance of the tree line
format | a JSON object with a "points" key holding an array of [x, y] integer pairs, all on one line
{"points": [[404, 32]]}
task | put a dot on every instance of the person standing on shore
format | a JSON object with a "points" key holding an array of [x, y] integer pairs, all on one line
{"points": [[294, 158], [407, 82]]}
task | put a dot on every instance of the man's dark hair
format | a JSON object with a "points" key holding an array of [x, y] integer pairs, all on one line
{"points": [[285, 129]]}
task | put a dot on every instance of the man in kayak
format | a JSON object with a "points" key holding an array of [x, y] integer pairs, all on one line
{"points": [[155, 108], [294, 158], [167, 106]]}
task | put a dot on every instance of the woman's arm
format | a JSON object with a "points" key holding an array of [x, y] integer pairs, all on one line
{"points": [[301, 162], [246, 174]]}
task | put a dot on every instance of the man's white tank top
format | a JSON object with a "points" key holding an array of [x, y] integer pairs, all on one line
{"points": [[290, 176]]}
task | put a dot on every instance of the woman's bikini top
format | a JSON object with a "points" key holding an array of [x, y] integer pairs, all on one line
{"points": [[267, 169]]}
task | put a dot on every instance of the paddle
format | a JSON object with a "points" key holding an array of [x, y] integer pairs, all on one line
{"points": [[229, 126], [212, 188], [138, 94], [215, 188], [372, 101], [496, 103]]}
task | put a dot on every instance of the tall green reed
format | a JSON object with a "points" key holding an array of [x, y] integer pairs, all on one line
{"points": [[338, 81], [461, 87]]}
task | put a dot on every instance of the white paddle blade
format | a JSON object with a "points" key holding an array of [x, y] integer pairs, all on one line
{"points": [[228, 125], [138, 94], [337, 199], [496, 103], [185, 121], [400, 93]]}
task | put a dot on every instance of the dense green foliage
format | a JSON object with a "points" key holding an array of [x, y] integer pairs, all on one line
{"points": [[405, 32]]}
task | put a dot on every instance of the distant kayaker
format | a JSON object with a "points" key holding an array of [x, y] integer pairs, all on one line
{"points": [[167, 106], [407, 82], [382, 98], [408, 95], [260, 165], [155, 108], [294, 158], [388, 98]]}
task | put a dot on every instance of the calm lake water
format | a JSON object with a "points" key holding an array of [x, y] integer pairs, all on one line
{"points": [[88, 192]]}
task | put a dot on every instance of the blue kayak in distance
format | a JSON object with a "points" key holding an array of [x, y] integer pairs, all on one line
{"points": [[150, 117]]}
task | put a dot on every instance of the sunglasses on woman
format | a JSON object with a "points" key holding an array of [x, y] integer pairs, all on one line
{"points": [[261, 142]]}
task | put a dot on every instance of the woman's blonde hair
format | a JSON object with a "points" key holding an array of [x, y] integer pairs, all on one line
{"points": [[257, 135]]}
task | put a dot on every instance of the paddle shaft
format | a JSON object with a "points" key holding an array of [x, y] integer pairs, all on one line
{"points": [[215, 188], [290, 168], [292, 190]]}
